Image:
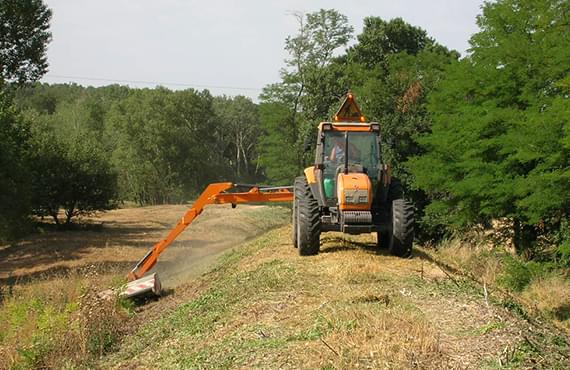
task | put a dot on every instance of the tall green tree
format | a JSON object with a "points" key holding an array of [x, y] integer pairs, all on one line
{"points": [[164, 144], [15, 192], [277, 144], [24, 35], [70, 170], [499, 143], [381, 38], [392, 69], [304, 94]]}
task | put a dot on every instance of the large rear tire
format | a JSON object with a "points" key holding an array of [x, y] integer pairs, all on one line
{"points": [[308, 219], [402, 228], [395, 191]]}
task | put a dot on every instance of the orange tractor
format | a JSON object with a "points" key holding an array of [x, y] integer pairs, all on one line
{"points": [[348, 189]]}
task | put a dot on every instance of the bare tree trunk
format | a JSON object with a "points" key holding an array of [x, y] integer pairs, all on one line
{"points": [[238, 156], [69, 214]]}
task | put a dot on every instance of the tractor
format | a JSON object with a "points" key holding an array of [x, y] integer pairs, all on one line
{"points": [[349, 189]]}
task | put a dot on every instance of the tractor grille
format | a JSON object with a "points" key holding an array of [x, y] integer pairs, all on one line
{"points": [[356, 217]]}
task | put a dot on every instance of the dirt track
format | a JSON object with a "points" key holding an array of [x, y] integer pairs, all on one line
{"points": [[115, 240]]}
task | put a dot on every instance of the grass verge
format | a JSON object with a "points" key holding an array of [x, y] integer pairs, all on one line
{"points": [[542, 288], [59, 323]]}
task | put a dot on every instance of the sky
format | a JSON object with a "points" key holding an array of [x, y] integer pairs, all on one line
{"points": [[231, 47]]}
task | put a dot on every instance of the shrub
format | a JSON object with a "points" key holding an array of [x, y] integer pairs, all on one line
{"points": [[518, 274]]}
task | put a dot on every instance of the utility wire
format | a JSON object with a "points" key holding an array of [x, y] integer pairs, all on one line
{"points": [[153, 82]]}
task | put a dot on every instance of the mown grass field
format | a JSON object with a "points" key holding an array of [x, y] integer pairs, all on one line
{"points": [[50, 312], [260, 305], [351, 306]]}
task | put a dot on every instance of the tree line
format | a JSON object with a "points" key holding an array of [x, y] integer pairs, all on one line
{"points": [[89, 148], [474, 139]]}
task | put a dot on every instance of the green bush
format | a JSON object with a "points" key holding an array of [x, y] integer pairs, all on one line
{"points": [[518, 274]]}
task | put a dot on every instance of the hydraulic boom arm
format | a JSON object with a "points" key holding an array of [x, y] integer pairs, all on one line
{"points": [[217, 193]]}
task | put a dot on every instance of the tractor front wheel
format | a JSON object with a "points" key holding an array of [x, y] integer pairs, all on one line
{"points": [[308, 219]]}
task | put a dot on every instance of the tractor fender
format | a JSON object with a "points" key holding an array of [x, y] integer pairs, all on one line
{"points": [[311, 177]]}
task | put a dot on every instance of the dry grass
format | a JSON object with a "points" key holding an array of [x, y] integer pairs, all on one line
{"points": [[50, 315], [61, 322], [476, 258], [119, 238], [349, 307], [551, 295], [547, 291]]}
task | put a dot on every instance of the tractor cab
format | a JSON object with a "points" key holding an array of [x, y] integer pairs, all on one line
{"points": [[348, 152], [346, 146]]}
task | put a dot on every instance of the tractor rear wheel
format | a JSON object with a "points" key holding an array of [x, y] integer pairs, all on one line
{"points": [[308, 218], [395, 191], [401, 228]]}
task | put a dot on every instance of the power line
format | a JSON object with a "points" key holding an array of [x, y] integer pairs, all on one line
{"points": [[153, 82]]}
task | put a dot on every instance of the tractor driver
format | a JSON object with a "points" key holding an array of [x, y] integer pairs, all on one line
{"points": [[338, 151]]}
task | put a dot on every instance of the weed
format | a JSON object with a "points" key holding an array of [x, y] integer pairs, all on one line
{"points": [[45, 324], [516, 308], [489, 327]]}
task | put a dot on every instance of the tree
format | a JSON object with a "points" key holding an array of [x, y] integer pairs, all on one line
{"points": [[70, 171], [14, 177], [24, 35], [277, 144], [498, 147], [238, 119], [164, 144], [23, 40], [380, 38], [311, 51], [392, 70], [305, 93]]}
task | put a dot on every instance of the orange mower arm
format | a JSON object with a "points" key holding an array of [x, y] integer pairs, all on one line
{"points": [[217, 193]]}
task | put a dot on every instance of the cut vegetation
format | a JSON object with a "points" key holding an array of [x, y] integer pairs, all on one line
{"points": [[350, 306]]}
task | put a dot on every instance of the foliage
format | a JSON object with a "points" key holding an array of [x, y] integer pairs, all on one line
{"points": [[381, 38], [58, 324], [517, 274], [277, 144], [395, 67], [305, 93], [24, 35], [164, 144], [70, 171], [14, 179], [239, 126], [499, 142]]}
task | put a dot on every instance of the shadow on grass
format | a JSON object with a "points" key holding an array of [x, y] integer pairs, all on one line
{"points": [[53, 245], [64, 271], [338, 244], [418, 253], [562, 312]]}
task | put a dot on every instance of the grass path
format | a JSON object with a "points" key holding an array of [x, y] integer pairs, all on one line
{"points": [[351, 306]]}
